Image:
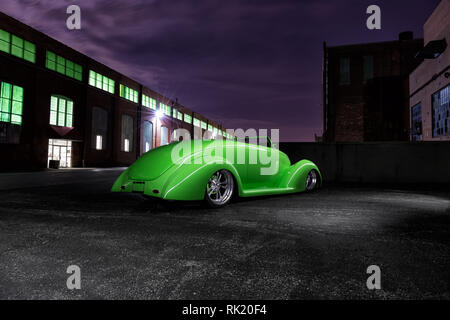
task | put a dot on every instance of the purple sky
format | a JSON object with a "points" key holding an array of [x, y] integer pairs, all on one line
{"points": [[253, 63]]}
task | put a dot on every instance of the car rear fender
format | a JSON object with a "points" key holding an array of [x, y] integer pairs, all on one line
{"points": [[188, 182]]}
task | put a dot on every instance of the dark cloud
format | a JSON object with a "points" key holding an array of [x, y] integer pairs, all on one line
{"points": [[247, 63]]}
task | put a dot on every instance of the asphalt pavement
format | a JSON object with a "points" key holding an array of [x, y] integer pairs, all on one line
{"points": [[303, 246]]}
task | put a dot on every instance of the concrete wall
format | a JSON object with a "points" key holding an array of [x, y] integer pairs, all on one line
{"points": [[390, 162]]}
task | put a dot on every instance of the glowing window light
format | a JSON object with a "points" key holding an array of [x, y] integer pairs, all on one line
{"points": [[98, 142]]}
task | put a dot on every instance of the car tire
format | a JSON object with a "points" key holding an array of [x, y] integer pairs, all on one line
{"points": [[220, 189], [312, 180]]}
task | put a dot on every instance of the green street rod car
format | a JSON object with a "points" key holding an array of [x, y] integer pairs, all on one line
{"points": [[216, 170]]}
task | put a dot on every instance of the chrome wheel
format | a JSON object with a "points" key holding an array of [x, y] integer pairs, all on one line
{"points": [[219, 188], [311, 180]]}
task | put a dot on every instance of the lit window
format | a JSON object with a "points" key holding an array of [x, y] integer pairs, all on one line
{"points": [[61, 111], [203, 125], [17, 46], [126, 145], [187, 118], [416, 122], [63, 66], [196, 122], [128, 93], [441, 112], [11, 103], [148, 135], [165, 108], [148, 102], [98, 142], [101, 82], [164, 135]]}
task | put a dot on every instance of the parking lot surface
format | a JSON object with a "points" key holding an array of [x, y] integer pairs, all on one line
{"points": [[303, 246]]}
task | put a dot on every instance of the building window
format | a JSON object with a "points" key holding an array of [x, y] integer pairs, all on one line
{"points": [[61, 111], [17, 46], [148, 136], [128, 93], [99, 128], [368, 67], [177, 115], [441, 112], [98, 142], [165, 109], [416, 123], [344, 71], [187, 118], [11, 103], [175, 135], [101, 82], [164, 136], [148, 102], [63, 66], [196, 122], [204, 126], [127, 133]]}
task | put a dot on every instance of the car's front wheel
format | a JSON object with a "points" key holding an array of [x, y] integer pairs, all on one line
{"points": [[220, 188]]}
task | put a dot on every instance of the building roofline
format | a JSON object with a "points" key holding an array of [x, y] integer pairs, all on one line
{"points": [[372, 43]]}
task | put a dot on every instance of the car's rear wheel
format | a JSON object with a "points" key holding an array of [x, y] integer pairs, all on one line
{"points": [[312, 180], [220, 188]]}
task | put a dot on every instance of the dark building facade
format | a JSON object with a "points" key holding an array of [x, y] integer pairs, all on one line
{"points": [[60, 106], [365, 90], [430, 82]]}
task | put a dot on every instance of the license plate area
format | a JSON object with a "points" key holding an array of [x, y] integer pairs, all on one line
{"points": [[138, 186]]}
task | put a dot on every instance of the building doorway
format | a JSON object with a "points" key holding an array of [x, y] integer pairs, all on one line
{"points": [[60, 150]]}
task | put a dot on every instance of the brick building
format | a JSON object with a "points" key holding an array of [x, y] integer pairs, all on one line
{"points": [[365, 90], [57, 104], [430, 81]]}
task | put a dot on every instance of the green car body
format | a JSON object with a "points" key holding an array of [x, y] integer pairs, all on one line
{"points": [[156, 174]]}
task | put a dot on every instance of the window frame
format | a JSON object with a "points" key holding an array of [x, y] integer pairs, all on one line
{"points": [[128, 93], [149, 102], [8, 103], [366, 74], [63, 66], [17, 46], [109, 83], [447, 119], [413, 134], [346, 81], [64, 112]]}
